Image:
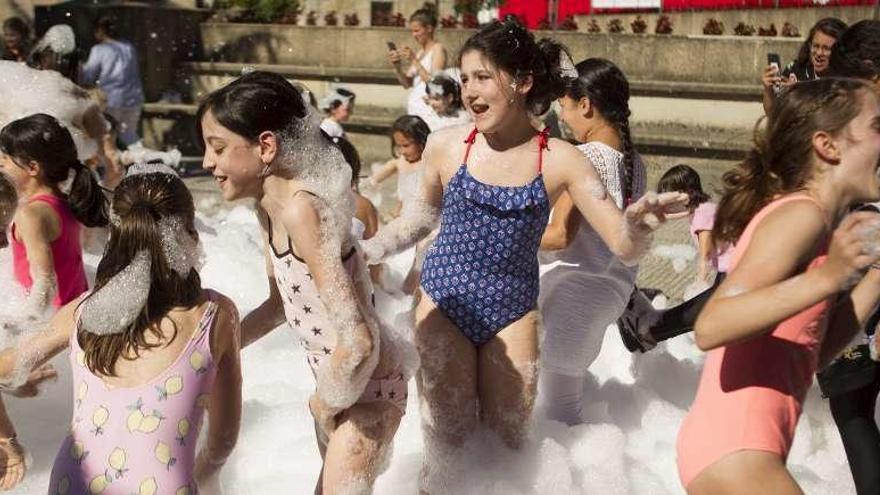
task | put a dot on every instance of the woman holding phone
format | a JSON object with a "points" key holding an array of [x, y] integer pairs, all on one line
{"points": [[430, 58]]}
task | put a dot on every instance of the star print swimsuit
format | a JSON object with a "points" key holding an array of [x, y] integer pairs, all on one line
{"points": [[482, 270], [307, 316]]}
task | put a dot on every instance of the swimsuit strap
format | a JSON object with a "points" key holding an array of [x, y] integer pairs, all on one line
{"points": [[472, 137], [543, 138]]}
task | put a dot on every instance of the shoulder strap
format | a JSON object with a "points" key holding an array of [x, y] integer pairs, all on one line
{"points": [[472, 137], [543, 138]]}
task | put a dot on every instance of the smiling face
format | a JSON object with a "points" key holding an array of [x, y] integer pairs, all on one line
{"points": [[820, 51], [12, 39], [439, 103], [420, 32], [860, 151], [572, 113], [235, 162], [490, 95]]}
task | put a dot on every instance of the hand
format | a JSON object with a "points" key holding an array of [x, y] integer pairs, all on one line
{"points": [[394, 57], [31, 387], [855, 246], [12, 465], [406, 53], [324, 415], [650, 210], [770, 77]]}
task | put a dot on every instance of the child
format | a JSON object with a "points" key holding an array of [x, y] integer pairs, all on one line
{"points": [[151, 350], [583, 285], [39, 154], [338, 106], [444, 97], [797, 291], [8, 205], [408, 137], [641, 326], [262, 142], [366, 219]]}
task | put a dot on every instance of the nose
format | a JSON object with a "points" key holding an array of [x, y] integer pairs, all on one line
{"points": [[208, 164]]}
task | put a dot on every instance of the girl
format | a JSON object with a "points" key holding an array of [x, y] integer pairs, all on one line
{"points": [[147, 365], [476, 317], [8, 205], [338, 106], [366, 218], [790, 302], [444, 97], [317, 279], [408, 137], [39, 154], [420, 64], [579, 267], [641, 326], [16, 40]]}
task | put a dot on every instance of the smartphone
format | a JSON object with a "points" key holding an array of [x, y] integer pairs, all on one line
{"points": [[391, 45]]}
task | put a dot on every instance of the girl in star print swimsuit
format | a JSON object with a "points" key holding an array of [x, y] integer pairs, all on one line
{"points": [[491, 187], [147, 367], [318, 282]]}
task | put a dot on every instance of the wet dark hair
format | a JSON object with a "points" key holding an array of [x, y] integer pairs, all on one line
{"points": [[348, 95], [607, 88], [512, 48], [426, 16], [41, 138], [8, 201], [18, 25], [830, 26], [682, 178], [449, 86], [109, 25], [857, 52], [252, 104], [411, 126], [780, 161], [351, 155], [141, 201]]}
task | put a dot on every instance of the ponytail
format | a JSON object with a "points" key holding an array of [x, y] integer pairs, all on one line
{"points": [[86, 198]]}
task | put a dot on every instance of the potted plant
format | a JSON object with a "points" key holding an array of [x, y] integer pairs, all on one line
{"points": [[743, 29], [568, 24], [639, 26], [789, 30], [312, 18], [713, 27], [593, 27], [330, 19], [397, 20], [351, 19], [664, 25], [770, 31], [615, 26], [449, 21]]}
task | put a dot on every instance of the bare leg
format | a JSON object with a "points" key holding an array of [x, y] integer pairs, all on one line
{"points": [[447, 382], [360, 447], [508, 379], [745, 473]]}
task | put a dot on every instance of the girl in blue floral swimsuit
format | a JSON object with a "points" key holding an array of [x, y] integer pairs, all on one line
{"points": [[491, 188]]}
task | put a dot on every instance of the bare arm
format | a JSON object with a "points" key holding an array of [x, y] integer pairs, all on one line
{"points": [[270, 314], [419, 216], [765, 289], [438, 63], [17, 361], [224, 409], [705, 253], [37, 226], [384, 172], [627, 234], [564, 222], [341, 380], [395, 59]]}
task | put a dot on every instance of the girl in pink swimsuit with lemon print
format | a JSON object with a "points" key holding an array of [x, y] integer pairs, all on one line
{"points": [[151, 353], [799, 286]]}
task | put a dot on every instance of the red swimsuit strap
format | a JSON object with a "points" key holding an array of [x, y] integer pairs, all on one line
{"points": [[472, 137], [543, 139]]}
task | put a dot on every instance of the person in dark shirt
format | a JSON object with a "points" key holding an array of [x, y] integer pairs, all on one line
{"points": [[16, 40]]}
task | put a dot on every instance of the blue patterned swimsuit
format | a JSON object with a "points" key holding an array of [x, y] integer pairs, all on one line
{"points": [[482, 270]]}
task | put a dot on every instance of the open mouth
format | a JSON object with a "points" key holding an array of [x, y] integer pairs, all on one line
{"points": [[220, 179], [479, 108]]}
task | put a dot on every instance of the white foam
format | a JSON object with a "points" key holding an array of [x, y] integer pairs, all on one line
{"points": [[635, 405]]}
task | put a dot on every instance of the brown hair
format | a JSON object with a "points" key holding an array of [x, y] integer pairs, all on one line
{"points": [[8, 200], [780, 161], [140, 201]]}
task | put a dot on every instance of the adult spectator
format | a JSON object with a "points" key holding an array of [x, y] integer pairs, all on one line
{"points": [[16, 40], [415, 68], [113, 67], [811, 62]]}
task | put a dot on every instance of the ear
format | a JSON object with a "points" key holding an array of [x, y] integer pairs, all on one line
{"points": [[524, 85], [585, 107], [268, 142], [34, 169], [826, 147]]}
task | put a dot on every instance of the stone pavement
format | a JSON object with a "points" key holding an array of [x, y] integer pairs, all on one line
{"points": [[654, 271]]}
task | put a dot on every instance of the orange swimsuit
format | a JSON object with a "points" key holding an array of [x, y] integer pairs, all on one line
{"points": [[751, 393]]}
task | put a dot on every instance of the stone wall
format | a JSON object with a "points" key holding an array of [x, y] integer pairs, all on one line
{"points": [[706, 59]]}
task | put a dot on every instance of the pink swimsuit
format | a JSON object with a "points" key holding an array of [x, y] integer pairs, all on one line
{"points": [[307, 317], [66, 255], [751, 393], [137, 439]]}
